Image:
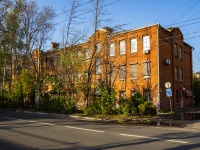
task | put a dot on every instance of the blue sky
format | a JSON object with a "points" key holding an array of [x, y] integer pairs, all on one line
{"points": [[184, 14]]}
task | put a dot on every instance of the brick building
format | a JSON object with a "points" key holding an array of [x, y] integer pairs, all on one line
{"points": [[142, 60]]}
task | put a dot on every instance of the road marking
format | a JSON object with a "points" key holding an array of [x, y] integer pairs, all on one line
{"points": [[146, 137], [85, 129], [32, 121], [44, 123], [139, 136], [10, 118], [176, 141]]}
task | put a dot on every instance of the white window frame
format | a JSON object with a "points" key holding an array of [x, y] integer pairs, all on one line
{"points": [[133, 45], [79, 76], [122, 47], [112, 49], [79, 53], [146, 42], [98, 66], [87, 54], [98, 47]]}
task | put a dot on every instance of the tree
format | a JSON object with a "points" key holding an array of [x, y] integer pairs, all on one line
{"points": [[196, 84]]}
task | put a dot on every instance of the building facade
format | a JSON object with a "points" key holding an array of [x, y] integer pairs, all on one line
{"points": [[142, 60]]}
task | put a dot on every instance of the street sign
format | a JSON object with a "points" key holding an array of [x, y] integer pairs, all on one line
{"points": [[168, 92], [168, 85]]}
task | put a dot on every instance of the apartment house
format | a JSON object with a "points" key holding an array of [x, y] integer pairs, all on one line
{"points": [[142, 60]]}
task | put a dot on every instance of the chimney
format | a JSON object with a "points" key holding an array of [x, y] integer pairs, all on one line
{"points": [[108, 29], [54, 46]]}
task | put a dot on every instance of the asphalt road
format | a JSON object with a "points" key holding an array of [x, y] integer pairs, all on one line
{"points": [[31, 131]]}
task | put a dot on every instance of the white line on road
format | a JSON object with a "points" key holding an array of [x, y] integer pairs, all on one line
{"points": [[10, 118], [32, 121], [85, 129], [44, 123], [139, 136], [176, 141], [146, 137]]}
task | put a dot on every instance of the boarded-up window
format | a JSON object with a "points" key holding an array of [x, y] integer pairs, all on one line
{"points": [[146, 69], [134, 71], [122, 72]]}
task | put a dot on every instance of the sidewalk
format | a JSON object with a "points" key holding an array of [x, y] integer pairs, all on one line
{"points": [[187, 118]]}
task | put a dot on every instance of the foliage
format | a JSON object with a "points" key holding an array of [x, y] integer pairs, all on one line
{"points": [[126, 107], [129, 106], [196, 84], [104, 102], [137, 99], [57, 104], [147, 108]]}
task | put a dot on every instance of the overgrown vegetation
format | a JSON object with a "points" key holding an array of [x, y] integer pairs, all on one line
{"points": [[106, 103]]}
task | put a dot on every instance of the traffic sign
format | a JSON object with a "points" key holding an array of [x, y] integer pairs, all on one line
{"points": [[168, 92], [168, 85]]}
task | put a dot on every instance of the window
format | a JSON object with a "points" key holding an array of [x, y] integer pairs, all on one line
{"points": [[98, 66], [111, 73], [122, 72], [122, 94], [181, 74], [176, 73], [146, 69], [134, 71], [47, 63], [98, 47], [79, 53], [177, 96], [112, 49], [133, 45], [146, 43], [36, 63], [71, 78], [180, 48], [176, 50], [147, 94], [58, 60], [133, 92], [87, 54], [86, 75], [52, 63], [78, 77], [122, 47]]}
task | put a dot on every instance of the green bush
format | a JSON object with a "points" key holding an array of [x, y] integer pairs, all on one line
{"points": [[93, 110], [57, 104], [137, 99], [147, 108], [126, 107]]}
